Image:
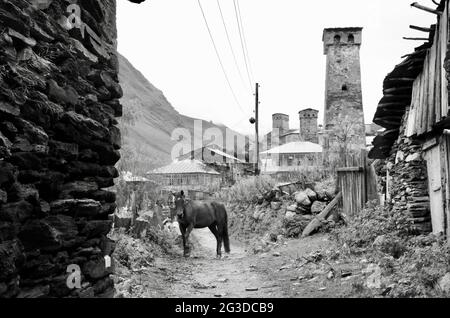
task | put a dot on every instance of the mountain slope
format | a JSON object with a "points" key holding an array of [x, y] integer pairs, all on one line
{"points": [[148, 122]]}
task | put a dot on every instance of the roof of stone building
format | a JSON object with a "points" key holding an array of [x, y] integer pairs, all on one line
{"points": [[297, 147], [185, 167]]}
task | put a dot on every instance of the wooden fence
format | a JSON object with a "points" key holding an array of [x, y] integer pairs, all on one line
{"points": [[358, 185]]}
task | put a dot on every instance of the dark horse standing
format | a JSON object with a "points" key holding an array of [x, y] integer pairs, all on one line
{"points": [[198, 215]]}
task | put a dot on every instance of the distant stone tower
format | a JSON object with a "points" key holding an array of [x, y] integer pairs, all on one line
{"points": [[280, 126], [309, 125], [344, 116]]}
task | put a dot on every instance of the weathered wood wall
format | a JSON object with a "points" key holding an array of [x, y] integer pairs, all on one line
{"points": [[429, 104]]}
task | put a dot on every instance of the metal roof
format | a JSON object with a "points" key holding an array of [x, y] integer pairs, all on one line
{"points": [[295, 147], [186, 167]]}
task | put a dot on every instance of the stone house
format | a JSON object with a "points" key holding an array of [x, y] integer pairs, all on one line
{"points": [[415, 145]]}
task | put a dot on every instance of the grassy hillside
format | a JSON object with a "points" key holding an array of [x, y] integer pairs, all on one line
{"points": [[148, 122]]}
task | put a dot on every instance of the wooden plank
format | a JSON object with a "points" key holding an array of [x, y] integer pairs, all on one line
{"points": [[411, 123], [350, 169], [431, 109], [443, 45], [438, 75], [317, 221]]}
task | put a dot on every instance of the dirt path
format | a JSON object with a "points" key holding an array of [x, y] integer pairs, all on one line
{"points": [[202, 275], [288, 270]]}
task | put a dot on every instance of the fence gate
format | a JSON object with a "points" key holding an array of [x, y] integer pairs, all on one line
{"points": [[357, 184]]}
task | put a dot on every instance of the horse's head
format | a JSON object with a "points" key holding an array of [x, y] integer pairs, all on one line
{"points": [[178, 205]]}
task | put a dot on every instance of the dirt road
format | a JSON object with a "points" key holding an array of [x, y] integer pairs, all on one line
{"points": [[282, 272]]}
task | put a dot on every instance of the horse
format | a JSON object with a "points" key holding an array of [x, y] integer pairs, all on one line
{"points": [[198, 215]]}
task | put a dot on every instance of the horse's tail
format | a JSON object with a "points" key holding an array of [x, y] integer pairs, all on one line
{"points": [[226, 239], [220, 208]]}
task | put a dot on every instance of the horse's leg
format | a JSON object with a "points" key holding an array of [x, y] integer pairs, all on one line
{"points": [[188, 232], [213, 229], [183, 235]]}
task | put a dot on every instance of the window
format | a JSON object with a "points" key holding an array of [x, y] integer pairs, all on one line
{"points": [[351, 38], [337, 39]]}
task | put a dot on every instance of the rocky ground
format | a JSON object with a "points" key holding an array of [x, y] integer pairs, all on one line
{"points": [[292, 269]]}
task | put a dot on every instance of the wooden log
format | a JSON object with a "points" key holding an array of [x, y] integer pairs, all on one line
{"points": [[422, 29], [421, 7], [317, 221], [415, 39]]}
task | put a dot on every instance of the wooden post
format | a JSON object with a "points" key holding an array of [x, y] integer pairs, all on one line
{"points": [[258, 171]]}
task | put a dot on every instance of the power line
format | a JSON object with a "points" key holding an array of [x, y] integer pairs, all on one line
{"points": [[219, 58], [245, 40], [242, 42], [229, 43]]}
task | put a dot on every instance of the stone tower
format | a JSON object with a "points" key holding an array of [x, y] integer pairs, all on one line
{"points": [[309, 125], [344, 116], [280, 126]]}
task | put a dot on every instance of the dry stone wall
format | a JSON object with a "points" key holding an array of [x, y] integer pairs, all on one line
{"points": [[408, 182], [59, 142]]}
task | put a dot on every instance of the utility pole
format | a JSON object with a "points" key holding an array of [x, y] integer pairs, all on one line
{"points": [[257, 170]]}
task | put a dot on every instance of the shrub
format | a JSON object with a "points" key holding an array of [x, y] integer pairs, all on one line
{"points": [[371, 223], [246, 190]]}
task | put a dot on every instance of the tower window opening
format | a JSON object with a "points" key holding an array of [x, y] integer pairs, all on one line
{"points": [[337, 39], [344, 88], [351, 38]]}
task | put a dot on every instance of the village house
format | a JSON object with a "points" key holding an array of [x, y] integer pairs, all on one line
{"points": [[415, 145], [187, 175]]}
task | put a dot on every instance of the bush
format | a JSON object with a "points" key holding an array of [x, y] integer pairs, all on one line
{"points": [[412, 265], [246, 190], [374, 221]]}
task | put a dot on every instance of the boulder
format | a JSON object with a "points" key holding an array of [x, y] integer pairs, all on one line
{"points": [[302, 199], [290, 215], [292, 208], [275, 205], [312, 195], [318, 207]]}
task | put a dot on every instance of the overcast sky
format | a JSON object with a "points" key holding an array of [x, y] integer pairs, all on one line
{"points": [[168, 42]]}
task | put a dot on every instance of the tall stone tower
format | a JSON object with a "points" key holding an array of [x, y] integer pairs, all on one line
{"points": [[344, 116], [309, 125]]}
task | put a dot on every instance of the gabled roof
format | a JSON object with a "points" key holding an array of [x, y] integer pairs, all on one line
{"points": [[185, 167], [295, 148]]}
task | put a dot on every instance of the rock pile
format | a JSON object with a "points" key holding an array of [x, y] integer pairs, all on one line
{"points": [[308, 203], [59, 141]]}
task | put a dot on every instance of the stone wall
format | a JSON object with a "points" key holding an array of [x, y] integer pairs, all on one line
{"points": [[408, 181], [59, 142]]}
